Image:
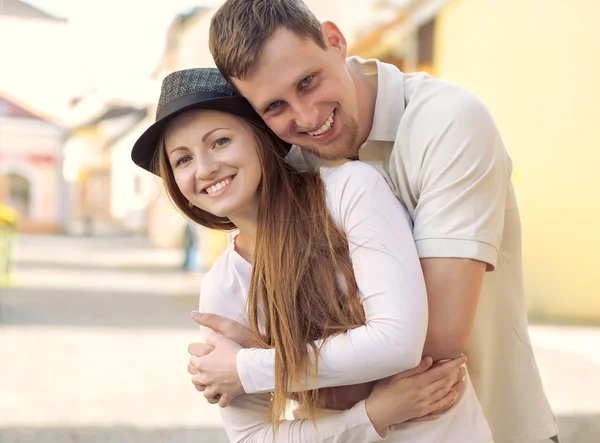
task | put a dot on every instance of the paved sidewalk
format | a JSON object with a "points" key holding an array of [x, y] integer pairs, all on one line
{"points": [[569, 362], [93, 337], [94, 342], [102, 263]]}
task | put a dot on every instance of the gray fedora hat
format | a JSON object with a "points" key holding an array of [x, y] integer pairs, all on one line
{"points": [[199, 88]]}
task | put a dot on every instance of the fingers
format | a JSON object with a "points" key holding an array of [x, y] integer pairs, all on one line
{"points": [[196, 363], [213, 321], [225, 327], [452, 401], [213, 338], [211, 395], [459, 386], [447, 401], [199, 382], [209, 392], [191, 369], [444, 370], [200, 349], [223, 401], [423, 365], [440, 387]]}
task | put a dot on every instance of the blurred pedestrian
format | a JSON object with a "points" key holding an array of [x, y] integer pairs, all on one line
{"points": [[190, 246]]}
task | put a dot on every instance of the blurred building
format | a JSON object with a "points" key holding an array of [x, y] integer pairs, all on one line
{"points": [[38, 76], [536, 65], [30, 165], [37, 57], [103, 191]]}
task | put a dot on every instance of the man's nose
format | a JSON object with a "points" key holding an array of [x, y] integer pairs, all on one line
{"points": [[307, 117]]}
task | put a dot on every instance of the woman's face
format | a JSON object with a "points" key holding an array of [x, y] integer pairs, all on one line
{"points": [[214, 161]]}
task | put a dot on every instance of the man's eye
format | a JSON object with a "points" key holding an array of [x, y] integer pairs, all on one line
{"points": [[306, 81], [274, 105]]}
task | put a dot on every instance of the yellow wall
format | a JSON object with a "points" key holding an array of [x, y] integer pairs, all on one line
{"points": [[536, 64]]}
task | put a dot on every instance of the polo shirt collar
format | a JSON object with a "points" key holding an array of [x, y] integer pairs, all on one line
{"points": [[390, 101]]}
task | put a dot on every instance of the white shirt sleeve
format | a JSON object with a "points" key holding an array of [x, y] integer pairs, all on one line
{"points": [[390, 283], [244, 419], [460, 171]]}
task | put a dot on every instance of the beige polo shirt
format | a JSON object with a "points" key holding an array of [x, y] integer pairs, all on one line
{"points": [[440, 151]]}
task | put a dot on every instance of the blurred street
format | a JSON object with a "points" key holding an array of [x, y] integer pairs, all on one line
{"points": [[94, 335], [93, 339]]}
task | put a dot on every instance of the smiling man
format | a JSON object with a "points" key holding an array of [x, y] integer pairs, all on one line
{"points": [[442, 155]]}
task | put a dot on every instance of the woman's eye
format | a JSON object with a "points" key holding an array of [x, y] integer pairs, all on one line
{"points": [[219, 143], [183, 160]]}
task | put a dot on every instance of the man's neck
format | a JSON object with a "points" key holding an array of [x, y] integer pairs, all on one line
{"points": [[366, 96]]}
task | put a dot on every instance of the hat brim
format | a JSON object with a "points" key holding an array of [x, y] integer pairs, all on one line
{"points": [[144, 149]]}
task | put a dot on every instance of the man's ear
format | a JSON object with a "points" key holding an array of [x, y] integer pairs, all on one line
{"points": [[334, 38]]}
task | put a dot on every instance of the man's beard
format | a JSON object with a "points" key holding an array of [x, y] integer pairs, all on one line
{"points": [[344, 148]]}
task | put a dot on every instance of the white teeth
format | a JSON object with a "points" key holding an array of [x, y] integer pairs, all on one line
{"points": [[325, 128], [218, 186]]}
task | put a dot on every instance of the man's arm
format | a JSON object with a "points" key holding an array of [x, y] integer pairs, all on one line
{"points": [[453, 288], [459, 173]]}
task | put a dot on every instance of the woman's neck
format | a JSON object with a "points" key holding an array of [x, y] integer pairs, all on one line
{"points": [[246, 239]]}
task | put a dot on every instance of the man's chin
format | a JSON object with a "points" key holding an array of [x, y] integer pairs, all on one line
{"points": [[331, 152]]}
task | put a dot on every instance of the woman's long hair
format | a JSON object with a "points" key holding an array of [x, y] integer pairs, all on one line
{"points": [[302, 287]]}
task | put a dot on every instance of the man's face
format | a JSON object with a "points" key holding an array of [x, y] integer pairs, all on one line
{"points": [[305, 93]]}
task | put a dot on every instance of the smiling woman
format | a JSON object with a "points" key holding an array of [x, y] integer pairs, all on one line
{"points": [[219, 172]]}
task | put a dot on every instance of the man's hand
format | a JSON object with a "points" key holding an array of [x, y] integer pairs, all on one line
{"points": [[415, 393], [213, 368], [224, 326], [458, 388]]}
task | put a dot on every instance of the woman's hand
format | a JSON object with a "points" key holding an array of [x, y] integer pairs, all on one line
{"points": [[415, 393]]}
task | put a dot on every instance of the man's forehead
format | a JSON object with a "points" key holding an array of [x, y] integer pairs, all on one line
{"points": [[284, 61]]}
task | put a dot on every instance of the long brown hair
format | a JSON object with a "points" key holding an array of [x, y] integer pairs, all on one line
{"points": [[302, 287]]}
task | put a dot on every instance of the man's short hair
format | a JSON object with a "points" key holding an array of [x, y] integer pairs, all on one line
{"points": [[240, 29]]}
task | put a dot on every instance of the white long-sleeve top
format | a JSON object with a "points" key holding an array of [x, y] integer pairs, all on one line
{"points": [[392, 290]]}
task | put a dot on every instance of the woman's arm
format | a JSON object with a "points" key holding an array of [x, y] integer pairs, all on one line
{"points": [[414, 393], [390, 282], [245, 418], [244, 421]]}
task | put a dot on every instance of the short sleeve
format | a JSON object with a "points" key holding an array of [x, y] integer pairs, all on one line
{"points": [[460, 171]]}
